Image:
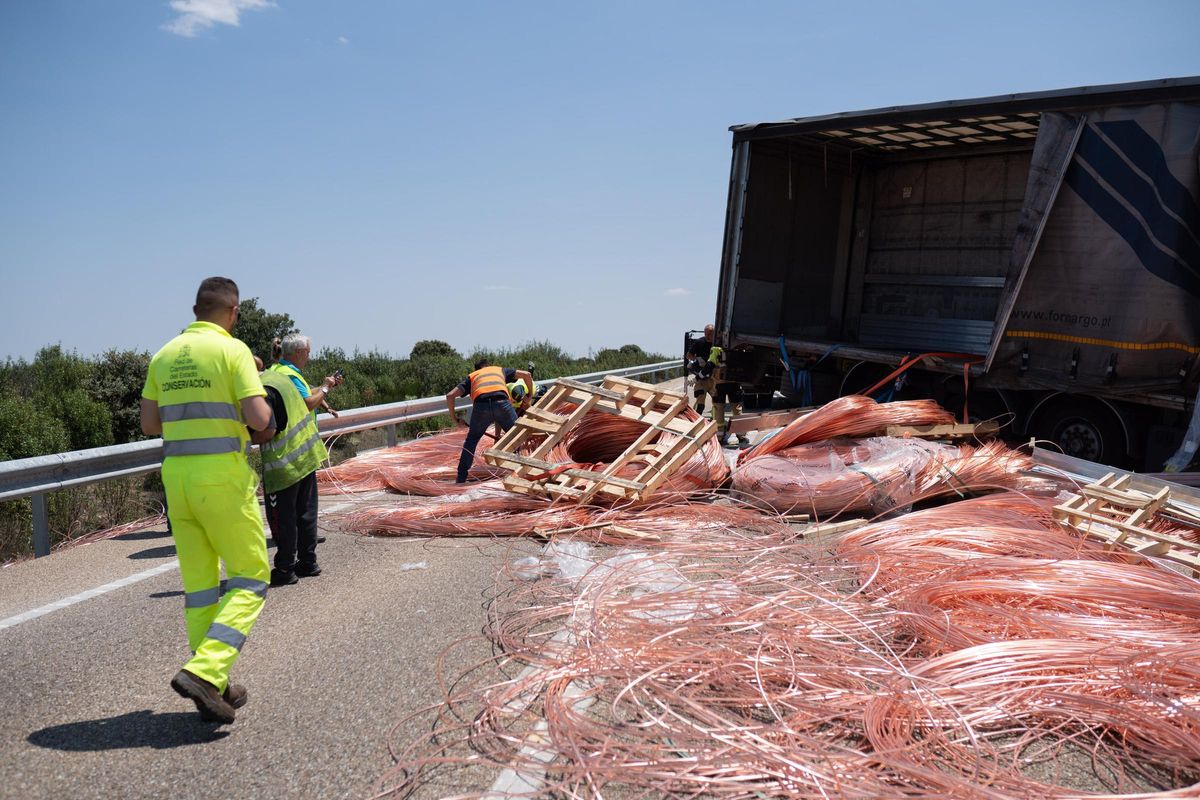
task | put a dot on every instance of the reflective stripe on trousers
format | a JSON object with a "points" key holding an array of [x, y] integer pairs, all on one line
{"points": [[210, 597], [226, 635]]}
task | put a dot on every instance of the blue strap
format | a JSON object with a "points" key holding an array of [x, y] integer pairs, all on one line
{"points": [[787, 363], [798, 376]]}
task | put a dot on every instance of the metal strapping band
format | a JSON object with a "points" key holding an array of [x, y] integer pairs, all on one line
{"points": [[249, 584], [223, 633], [202, 598], [292, 433], [271, 466], [863, 471], [954, 475], [203, 447], [198, 410]]}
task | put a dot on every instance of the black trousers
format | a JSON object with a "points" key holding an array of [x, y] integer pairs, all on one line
{"points": [[727, 392], [292, 516], [483, 416]]}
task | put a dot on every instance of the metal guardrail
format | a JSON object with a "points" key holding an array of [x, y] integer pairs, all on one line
{"points": [[37, 476]]}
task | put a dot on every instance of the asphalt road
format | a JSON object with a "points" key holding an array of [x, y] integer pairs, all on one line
{"points": [[333, 664]]}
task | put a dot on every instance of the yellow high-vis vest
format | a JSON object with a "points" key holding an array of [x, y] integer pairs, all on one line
{"points": [[298, 451], [197, 400]]}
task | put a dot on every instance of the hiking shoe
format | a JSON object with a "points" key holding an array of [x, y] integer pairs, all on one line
{"points": [[283, 577], [308, 570], [235, 694], [320, 538], [208, 700]]}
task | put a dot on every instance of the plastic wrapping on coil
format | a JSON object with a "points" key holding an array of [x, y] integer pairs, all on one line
{"points": [[876, 475]]}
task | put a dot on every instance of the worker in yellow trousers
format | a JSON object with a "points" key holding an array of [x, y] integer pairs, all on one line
{"points": [[202, 391]]}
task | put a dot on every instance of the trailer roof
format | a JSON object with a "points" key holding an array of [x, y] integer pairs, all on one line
{"points": [[985, 119]]}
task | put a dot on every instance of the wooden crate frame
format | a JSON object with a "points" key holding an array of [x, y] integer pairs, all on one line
{"points": [[1110, 511], [658, 409]]}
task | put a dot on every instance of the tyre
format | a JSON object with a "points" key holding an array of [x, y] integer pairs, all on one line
{"points": [[1083, 428]]}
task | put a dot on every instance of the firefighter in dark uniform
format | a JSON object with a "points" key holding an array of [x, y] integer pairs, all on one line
{"points": [[706, 361]]}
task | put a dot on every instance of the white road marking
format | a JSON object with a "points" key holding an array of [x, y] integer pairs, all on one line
{"points": [[526, 777], [89, 594]]}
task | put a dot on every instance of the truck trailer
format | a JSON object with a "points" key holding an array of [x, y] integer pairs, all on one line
{"points": [[1032, 258]]}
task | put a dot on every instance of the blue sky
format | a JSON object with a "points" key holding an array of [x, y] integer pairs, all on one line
{"points": [[482, 173]]}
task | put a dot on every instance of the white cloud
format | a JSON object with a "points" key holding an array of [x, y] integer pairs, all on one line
{"points": [[200, 15], [677, 292], [343, 40]]}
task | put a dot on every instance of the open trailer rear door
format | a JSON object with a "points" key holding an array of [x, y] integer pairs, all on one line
{"points": [[1057, 136], [1108, 292]]}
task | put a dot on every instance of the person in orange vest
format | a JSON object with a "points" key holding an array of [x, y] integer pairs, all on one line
{"points": [[491, 404]]}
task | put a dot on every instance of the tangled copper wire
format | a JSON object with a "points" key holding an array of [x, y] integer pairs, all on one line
{"points": [[878, 474], [965, 651], [424, 466], [851, 417], [489, 510], [427, 466], [687, 648]]}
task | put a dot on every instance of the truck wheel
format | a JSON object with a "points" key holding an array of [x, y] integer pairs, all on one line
{"points": [[1083, 428]]}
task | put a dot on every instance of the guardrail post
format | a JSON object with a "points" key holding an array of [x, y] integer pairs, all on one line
{"points": [[41, 527], [391, 435]]}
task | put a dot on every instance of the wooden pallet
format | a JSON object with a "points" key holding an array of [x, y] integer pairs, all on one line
{"points": [[958, 430], [746, 423], [658, 409], [1110, 511], [829, 530]]}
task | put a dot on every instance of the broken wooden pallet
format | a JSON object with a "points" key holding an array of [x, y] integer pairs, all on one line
{"points": [[668, 441], [1110, 511]]}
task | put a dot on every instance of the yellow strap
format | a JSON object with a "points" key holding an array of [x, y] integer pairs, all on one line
{"points": [[1103, 342]]}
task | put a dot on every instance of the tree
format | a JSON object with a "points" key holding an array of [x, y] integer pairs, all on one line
{"points": [[61, 381], [117, 385], [27, 430], [436, 367], [436, 376], [56, 371], [433, 348], [257, 327]]}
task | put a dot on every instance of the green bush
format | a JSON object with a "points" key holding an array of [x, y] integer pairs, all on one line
{"points": [[26, 430], [117, 385], [88, 423]]}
